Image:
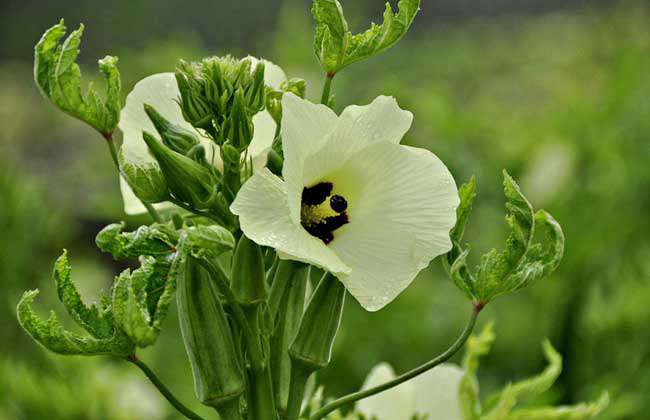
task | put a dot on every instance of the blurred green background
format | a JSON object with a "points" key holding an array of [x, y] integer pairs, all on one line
{"points": [[556, 92]]}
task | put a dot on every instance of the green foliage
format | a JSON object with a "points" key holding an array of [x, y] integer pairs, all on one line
{"points": [[140, 302], [131, 317], [502, 405], [208, 242], [499, 405], [468, 389], [61, 388], [59, 78], [156, 240], [97, 320], [336, 47], [521, 262]]}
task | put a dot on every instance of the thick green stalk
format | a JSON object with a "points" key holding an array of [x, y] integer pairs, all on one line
{"points": [[299, 376], [261, 402], [311, 349], [356, 396], [163, 389], [325, 97], [111, 147]]}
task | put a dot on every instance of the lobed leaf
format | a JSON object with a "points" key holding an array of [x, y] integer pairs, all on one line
{"points": [[135, 313], [492, 277], [500, 404], [208, 242], [520, 263], [573, 412], [96, 320], [59, 78], [51, 335], [156, 240], [336, 47], [455, 261], [468, 389]]}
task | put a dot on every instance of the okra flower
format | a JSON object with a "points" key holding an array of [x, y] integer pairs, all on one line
{"points": [[352, 199], [433, 394], [161, 92]]}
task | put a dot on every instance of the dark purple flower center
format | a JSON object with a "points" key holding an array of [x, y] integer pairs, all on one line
{"points": [[321, 212]]}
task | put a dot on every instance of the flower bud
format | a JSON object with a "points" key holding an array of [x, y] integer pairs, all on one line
{"points": [[312, 347], [218, 376], [195, 107], [248, 275], [239, 127], [256, 92], [188, 180], [173, 136]]}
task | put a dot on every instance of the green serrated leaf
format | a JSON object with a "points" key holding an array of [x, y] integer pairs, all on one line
{"points": [[502, 402], [572, 412], [59, 78], [468, 389], [155, 240], [467, 194], [336, 47], [51, 335], [134, 312], [522, 261], [493, 273], [208, 242], [96, 320], [455, 261]]}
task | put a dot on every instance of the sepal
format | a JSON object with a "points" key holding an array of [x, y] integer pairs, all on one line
{"points": [[175, 137], [189, 181], [147, 181]]}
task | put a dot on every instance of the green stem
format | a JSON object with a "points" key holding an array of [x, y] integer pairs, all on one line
{"points": [[111, 147], [325, 97], [297, 384], [356, 396], [163, 389]]}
